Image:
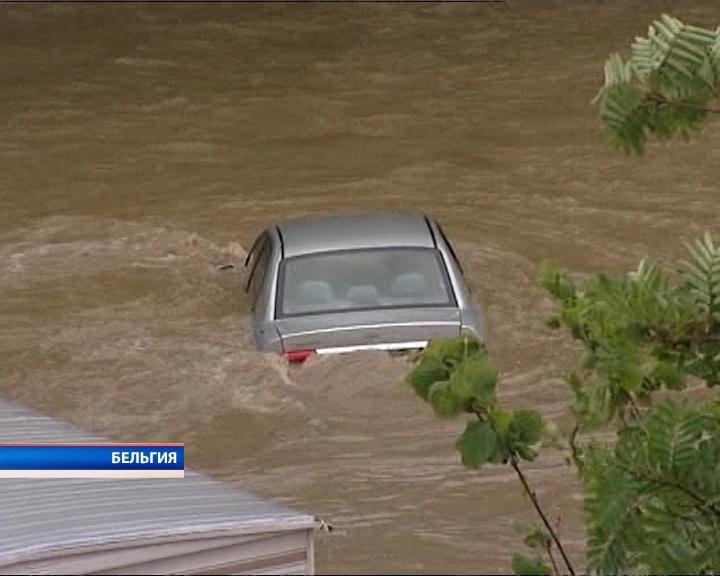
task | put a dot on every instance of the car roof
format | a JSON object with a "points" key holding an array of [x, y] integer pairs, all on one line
{"points": [[352, 231]]}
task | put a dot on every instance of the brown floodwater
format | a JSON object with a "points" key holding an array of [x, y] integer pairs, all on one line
{"points": [[143, 145]]}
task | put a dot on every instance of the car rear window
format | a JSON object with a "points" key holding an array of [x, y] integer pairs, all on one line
{"points": [[363, 280]]}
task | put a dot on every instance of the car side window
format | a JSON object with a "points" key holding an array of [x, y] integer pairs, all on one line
{"points": [[259, 264], [452, 250]]}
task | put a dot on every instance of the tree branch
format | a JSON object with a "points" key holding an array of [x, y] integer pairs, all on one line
{"points": [[714, 90], [660, 99], [575, 451], [539, 510], [649, 476], [548, 549]]}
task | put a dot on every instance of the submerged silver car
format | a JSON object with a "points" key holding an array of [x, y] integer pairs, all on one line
{"points": [[343, 283]]}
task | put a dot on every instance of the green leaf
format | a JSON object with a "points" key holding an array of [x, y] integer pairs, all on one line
{"points": [[474, 379], [533, 536], [528, 425], [670, 375], [537, 539], [611, 503], [445, 403], [524, 565], [501, 420], [451, 351], [624, 118], [702, 274], [556, 282], [553, 322], [524, 451], [476, 444], [647, 275], [425, 374]]}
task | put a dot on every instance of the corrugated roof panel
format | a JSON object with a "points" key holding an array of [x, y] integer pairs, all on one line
{"points": [[41, 516]]}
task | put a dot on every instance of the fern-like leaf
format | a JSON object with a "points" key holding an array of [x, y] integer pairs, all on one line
{"points": [[673, 437], [680, 51], [702, 272], [617, 72], [647, 275], [611, 503], [664, 88], [622, 112], [715, 50]]}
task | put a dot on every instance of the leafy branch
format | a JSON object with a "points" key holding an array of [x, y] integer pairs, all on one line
{"points": [[652, 495], [653, 500], [640, 333], [455, 377], [665, 87], [660, 99]]}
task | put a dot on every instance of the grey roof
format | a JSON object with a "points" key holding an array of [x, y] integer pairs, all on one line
{"points": [[321, 234], [42, 516]]}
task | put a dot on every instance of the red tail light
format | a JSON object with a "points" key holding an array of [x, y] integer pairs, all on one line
{"points": [[298, 356]]}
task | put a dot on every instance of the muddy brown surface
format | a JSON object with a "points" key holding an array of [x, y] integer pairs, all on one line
{"points": [[143, 145]]}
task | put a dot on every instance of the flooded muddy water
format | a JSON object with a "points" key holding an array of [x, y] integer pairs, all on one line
{"points": [[144, 145]]}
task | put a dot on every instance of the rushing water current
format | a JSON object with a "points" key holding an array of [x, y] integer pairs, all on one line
{"points": [[144, 145]]}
